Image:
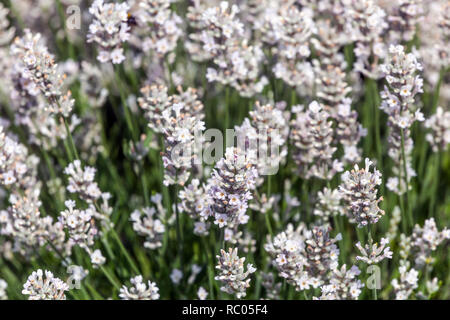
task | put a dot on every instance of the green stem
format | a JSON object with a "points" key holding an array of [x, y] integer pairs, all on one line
{"points": [[70, 139], [126, 110], [374, 290], [169, 70], [125, 252], [143, 179], [110, 278], [178, 227], [60, 255], [210, 269], [404, 220], [305, 199], [222, 239], [405, 173], [166, 199], [267, 214], [376, 110], [51, 170], [437, 165], [227, 110], [62, 17], [178, 224], [437, 91], [269, 227], [94, 292]]}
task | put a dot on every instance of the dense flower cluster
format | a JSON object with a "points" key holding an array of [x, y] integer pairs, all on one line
{"points": [[23, 221], [163, 26], [194, 43], [403, 19], [139, 290], [232, 273], [399, 105], [109, 29], [439, 125], [263, 137], [293, 33], [407, 282], [145, 223], [372, 253], [312, 138], [180, 132], [24, 93], [237, 62], [83, 226], [328, 204], [303, 257], [330, 78], [359, 189], [286, 249], [349, 131], [80, 224], [418, 249], [17, 167], [179, 119], [40, 68], [28, 103], [424, 240], [42, 285], [367, 24], [331, 85], [81, 181], [194, 200], [344, 285], [229, 189], [155, 99], [434, 50], [321, 252]]}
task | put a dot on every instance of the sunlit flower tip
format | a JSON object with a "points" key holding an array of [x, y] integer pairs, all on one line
{"points": [[139, 290], [97, 259], [42, 285]]}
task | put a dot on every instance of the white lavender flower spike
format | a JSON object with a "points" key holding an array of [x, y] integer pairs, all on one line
{"points": [[139, 290], [109, 29], [359, 190], [229, 189], [232, 273], [42, 285]]}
